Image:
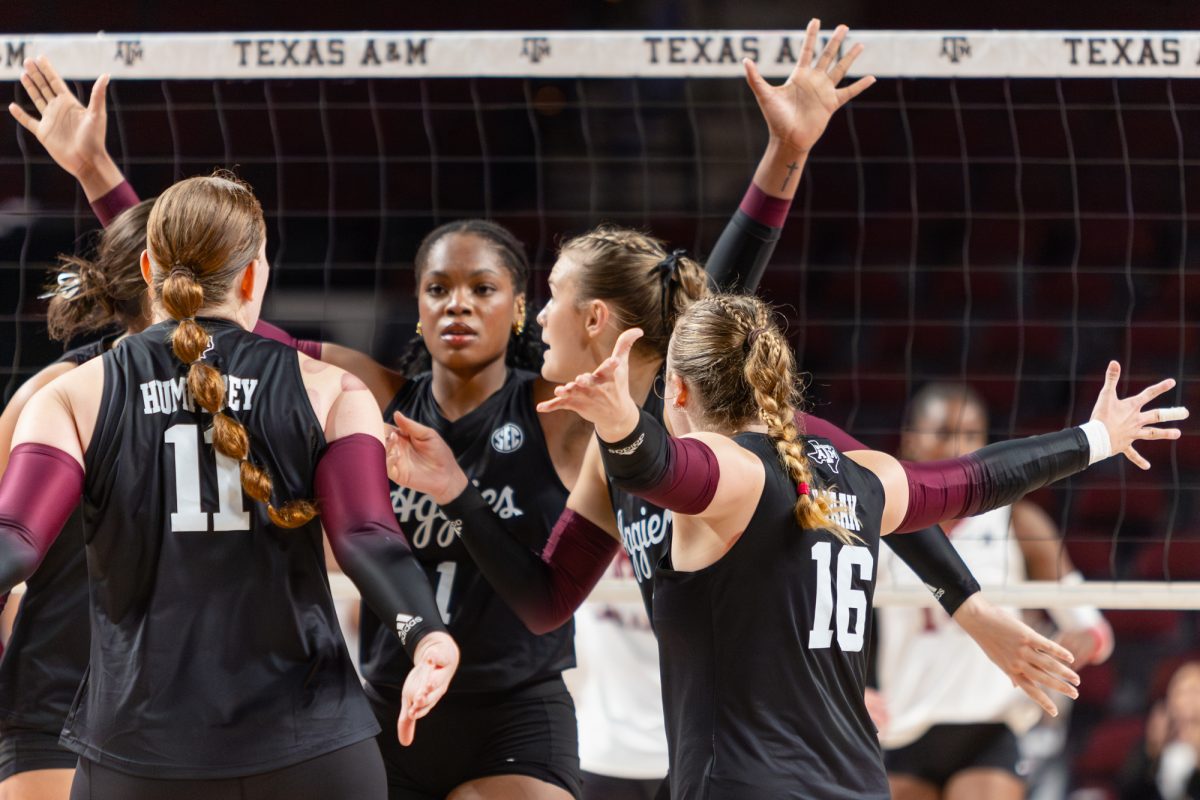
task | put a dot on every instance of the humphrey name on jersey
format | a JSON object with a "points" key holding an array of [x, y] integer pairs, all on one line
{"points": [[166, 397]]}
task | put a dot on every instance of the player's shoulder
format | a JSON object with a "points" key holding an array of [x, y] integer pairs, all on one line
{"points": [[335, 394], [82, 378], [40, 379]]}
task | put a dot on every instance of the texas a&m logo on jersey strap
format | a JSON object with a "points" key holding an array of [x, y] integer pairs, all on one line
{"points": [[824, 454]]}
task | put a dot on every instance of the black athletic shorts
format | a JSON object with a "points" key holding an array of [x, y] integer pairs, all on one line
{"points": [[526, 731], [946, 750], [23, 750], [351, 773]]}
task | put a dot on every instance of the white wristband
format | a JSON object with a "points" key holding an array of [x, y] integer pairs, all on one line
{"points": [[1099, 445]]}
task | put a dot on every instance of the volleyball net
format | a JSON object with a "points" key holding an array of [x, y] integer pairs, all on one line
{"points": [[1006, 209]]}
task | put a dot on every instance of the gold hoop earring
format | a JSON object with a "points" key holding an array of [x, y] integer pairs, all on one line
{"points": [[419, 331], [519, 322]]}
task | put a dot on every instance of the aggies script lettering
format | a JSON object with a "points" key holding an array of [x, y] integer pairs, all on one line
{"points": [[408, 504], [639, 536]]}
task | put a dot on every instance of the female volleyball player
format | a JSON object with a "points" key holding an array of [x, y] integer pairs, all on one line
{"points": [[216, 667], [604, 282], [800, 111], [48, 650], [761, 599], [955, 736]]}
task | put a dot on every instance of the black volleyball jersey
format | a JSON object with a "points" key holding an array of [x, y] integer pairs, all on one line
{"points": [[763, 653], [215, 648], [645, 528], [48, 649], [501, 448]]}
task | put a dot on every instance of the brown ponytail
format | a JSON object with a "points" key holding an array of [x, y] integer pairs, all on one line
{"points": [[733, 354], [107, 289], [201, 233], [645, 286]]}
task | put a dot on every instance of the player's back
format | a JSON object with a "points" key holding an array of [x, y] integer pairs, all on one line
{"points": [[215, 647], [762, 651]]}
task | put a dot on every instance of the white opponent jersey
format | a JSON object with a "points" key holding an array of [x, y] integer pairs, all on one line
{"points": [[930, 671], [618, 691]]}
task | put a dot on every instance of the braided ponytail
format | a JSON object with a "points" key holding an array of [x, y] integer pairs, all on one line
{"points": [[771, 372], [181, 233], [736, 357]]}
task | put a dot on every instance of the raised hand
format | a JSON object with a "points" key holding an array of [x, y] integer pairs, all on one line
{"points": [[798, 111], [1125, 420], [73, 135], [434, 664], [602, 395], [419, 458], [1030, 660]]}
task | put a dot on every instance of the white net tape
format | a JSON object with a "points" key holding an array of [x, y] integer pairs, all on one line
{"points": [[600, 54]]}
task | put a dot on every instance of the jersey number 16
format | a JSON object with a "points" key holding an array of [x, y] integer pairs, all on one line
{"points": [[848, 598]]}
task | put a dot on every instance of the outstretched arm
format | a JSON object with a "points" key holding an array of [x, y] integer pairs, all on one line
{"points": [[921, 494], [352, 492], [796, 114], [543, 589]]}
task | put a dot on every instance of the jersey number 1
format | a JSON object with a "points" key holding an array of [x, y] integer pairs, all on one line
{"points": [[231, 514], [848, 598]]}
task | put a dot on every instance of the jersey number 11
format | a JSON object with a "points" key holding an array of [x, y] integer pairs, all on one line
{"points": [[231, 514]]}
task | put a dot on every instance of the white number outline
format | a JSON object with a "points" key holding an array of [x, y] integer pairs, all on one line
{"points": [[190, 516], [445, 586], [848, 598]]}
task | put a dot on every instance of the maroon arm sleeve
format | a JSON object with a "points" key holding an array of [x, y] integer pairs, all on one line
{"points": [[762, 207], [991, 477], [120, 198], [307, 346], [39, 490], [677, 474], [352, 492], [995, 476], [544, 589]]}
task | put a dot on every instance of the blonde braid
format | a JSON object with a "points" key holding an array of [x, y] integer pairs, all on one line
{"points": [[740, 366], [771, 372]]}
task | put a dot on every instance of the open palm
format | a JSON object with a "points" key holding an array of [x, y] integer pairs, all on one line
{"points": [[798, 111], [417, 457], [72, 134]]}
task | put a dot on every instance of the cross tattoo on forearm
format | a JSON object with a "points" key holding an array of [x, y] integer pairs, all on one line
{"points": [[791, 168]]}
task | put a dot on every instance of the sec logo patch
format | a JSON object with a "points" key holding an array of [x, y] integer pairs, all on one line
{"points": [[508, 438]]}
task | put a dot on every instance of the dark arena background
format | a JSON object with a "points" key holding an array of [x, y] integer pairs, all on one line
{"points": [[1015, 233]]}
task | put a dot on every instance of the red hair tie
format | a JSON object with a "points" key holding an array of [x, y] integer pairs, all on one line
{"points": [[802, 489]]}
